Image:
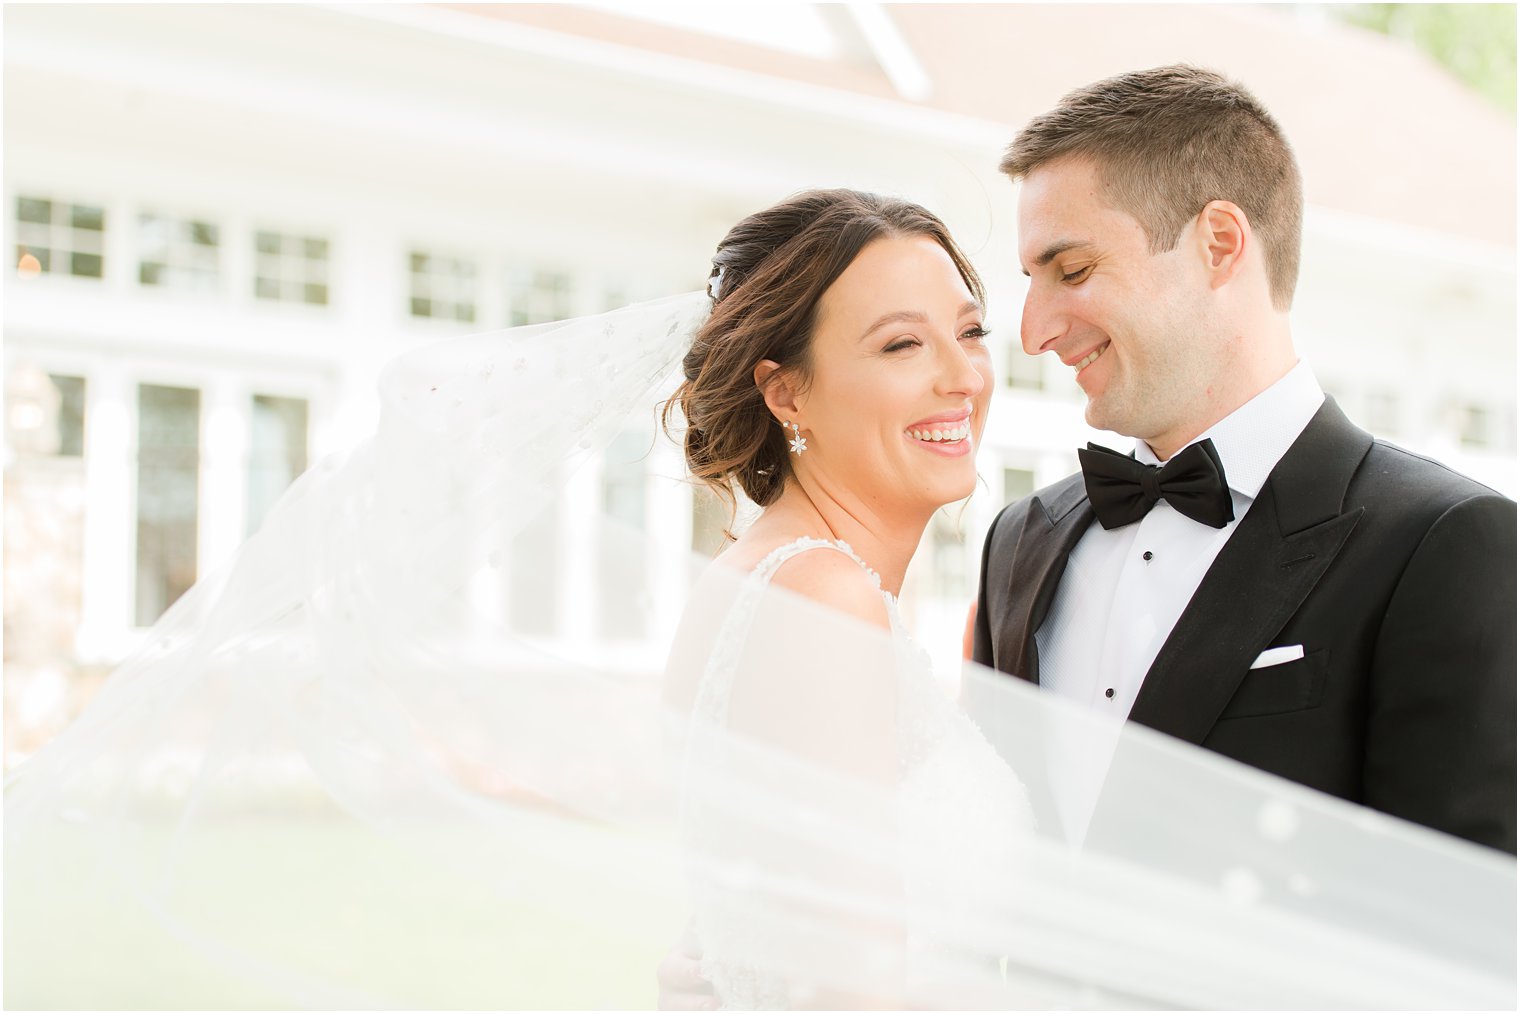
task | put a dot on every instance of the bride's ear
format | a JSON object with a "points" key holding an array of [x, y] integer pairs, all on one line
{"points": [[777, 387]]}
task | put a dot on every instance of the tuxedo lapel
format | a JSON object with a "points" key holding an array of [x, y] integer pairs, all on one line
{"points": [[1282, 547], [1052, 527]]}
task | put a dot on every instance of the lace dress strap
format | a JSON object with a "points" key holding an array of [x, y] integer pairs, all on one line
{"points": [[716, 686]]}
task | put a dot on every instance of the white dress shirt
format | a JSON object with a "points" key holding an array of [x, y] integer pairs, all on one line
{"points": [[1124, 589]]}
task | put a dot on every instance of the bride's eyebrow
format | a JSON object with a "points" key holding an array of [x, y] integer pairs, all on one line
{"points": [[916, 317], [895, 317]]}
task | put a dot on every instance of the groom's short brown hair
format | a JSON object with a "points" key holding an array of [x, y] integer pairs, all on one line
{"points": [[1166, 142]]}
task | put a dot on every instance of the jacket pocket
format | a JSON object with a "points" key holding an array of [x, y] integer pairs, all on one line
{"points": [[1276, 689]]}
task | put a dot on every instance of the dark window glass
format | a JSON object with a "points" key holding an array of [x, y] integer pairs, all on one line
{"points": [[85, 265], [278, 452], [1017, 484], [168, 496], [70, 415], [43, 255], [83, 216], [30, 209], [151, 274], [421, 307], [315, 294], [267, 242]]}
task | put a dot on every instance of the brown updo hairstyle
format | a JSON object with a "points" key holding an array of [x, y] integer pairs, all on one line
{"points": [[769, 274]]}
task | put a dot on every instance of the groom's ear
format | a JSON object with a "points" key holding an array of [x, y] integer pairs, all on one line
{"points": [[1226, 241], [777, 386]]}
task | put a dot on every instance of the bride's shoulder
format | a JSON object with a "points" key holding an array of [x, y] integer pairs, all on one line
{"points": [[818, 570]]}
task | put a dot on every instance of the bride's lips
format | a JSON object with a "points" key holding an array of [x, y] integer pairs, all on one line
{"points": [[947, 434]]}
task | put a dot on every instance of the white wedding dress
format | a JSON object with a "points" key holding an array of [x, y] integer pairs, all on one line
{"points": [[961, 814]]}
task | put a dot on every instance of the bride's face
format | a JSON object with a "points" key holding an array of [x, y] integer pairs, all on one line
{"points": [[901, 380]]}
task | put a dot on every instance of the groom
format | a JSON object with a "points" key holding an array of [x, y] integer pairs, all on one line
{"points": [[1283, 590]]}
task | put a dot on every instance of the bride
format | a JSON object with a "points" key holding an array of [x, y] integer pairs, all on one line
{"points": [[842, 382], [338, 774]]}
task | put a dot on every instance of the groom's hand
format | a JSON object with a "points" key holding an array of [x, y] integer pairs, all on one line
{"points": [[680, 974]]}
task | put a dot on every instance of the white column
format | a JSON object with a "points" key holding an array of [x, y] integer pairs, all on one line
{"points": [[225, 438], [105, 625]]}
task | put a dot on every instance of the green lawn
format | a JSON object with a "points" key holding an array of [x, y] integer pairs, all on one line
{"points": [[485, 929]]}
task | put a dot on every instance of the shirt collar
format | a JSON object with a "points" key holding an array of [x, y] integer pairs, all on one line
{"points": [[1252, 439]]}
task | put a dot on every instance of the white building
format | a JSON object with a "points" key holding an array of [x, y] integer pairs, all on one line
{"points": [[224, 219]]}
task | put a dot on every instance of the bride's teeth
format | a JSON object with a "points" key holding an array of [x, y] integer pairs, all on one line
{"points": [[942, 436]]}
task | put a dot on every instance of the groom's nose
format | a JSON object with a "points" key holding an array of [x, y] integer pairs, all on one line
{"points": [[1039, 324]]}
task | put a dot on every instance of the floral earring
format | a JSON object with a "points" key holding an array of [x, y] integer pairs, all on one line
{"points": [[798, 441]]}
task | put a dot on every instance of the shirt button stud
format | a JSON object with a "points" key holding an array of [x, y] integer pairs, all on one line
{"points": [[1146, 556], [1109, 692]]}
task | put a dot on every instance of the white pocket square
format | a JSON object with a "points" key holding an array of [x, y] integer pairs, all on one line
{"points": [[1277, 656]]}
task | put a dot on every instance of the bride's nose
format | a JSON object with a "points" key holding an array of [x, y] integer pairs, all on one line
{"points": [[958, 374]]}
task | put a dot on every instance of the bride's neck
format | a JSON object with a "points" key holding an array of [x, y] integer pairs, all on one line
{"points": [[885, 543]]}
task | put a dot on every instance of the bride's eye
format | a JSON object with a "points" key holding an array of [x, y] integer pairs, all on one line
{"points": [[901, 344]]}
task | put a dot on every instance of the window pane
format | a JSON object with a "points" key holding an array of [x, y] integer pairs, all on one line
{"points": [[1474, 429], [316, 294], [85, 217], [150, 274], [40, 254], [1017, 484], [278, 452], [30, 209], [1025, 372], [168, 493], [203, 233], [85, 265], [952, 577], [267, 242], [153, 234], [622, 600], [315, 249], [70, 415], [710, 518]]}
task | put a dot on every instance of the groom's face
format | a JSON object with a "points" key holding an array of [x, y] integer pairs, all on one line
{"points": [[1127, 321]]}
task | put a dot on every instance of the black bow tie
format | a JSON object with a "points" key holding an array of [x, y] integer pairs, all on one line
{"points": [[1123, 490]]}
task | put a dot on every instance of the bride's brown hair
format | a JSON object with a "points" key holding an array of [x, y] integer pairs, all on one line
{"points": [[768, 275]]}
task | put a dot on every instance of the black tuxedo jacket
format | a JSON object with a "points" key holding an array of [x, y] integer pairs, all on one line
{"points": [[1396, 574]]}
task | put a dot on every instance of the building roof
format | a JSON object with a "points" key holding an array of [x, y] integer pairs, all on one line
{"points": [[1380, 129]]}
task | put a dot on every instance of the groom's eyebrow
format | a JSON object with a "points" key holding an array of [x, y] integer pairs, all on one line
{"points": [[1055, 250]]}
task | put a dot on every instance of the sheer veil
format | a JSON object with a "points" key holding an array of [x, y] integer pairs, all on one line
{"points": [[340, 774]]}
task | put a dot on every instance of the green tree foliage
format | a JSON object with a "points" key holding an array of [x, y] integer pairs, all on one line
{"points": [[1476, 42]]}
